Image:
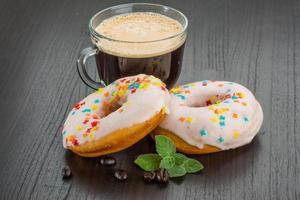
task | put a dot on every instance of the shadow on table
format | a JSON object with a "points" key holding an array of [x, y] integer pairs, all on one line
{"points": [[100, 179]]}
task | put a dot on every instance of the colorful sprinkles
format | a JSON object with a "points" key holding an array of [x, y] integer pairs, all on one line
{"points": [[219, 105], [107, 102]]}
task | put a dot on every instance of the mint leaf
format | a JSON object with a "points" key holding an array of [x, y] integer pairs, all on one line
{"points": [[167, 162], [176, 171], [192, 165], [164, 146], [180, 158], [148, 162]]}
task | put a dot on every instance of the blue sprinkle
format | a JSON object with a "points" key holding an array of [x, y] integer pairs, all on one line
{"points": [[73, 113], [222, 123], [97, 101], [203, 132], [234, 97], [181, 96], [86, 110], [222, 117], [185, 86], [64, 133], [131, 85], [226, 101], [137, 86], [246, 119], [221, 139], [228, 90]]}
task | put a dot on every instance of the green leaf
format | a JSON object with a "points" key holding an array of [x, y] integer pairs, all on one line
{"points": [[192, 165], [180, 158], [164, 146], [176, 171], [148, 162], [167, 162]]}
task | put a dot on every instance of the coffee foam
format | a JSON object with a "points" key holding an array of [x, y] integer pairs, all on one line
{"points": [[140, 28]]}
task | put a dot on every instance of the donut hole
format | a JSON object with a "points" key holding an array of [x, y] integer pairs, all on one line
{"points": [[196, 104], [109, 108], [200, 101]]}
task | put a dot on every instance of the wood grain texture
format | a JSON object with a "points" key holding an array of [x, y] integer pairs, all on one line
{"points": [[253, 42]]}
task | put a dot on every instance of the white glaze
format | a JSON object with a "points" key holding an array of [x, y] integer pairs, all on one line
{"points": [[149, 98], [192, 120]]}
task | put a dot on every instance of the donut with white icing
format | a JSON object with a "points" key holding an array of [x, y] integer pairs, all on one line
{"points": [[210, 116], [115, 117]]}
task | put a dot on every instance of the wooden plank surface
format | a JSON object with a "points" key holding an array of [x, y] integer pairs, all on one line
{"points": [[253, 42]]}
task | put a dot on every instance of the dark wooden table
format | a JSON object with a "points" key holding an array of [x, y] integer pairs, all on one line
{"points": [[253, 42]]}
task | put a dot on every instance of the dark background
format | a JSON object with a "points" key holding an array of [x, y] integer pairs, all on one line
{"points": [[253, 42]]}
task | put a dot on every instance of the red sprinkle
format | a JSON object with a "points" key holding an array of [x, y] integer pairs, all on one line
{"points": [[208, 103], [228, 96], [94, 123], [75, 142]]}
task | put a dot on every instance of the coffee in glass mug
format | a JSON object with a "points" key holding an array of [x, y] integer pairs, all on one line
{"points": [[131, 39]]}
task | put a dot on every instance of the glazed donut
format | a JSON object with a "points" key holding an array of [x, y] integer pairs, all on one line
{"points": [[115, 117], [211, 116]]}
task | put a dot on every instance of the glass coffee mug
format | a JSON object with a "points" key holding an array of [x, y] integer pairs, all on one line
{"points": [[116, 58]]}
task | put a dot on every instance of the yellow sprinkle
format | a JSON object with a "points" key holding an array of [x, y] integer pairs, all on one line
{"points": [[189, 120], [213, 98], [214, 119], [94, 107], [100, 90], [212, 107], [91, 137], [144, 85], [122, 93], [235, 134], [176, 90], [224, 110], [241, 95], [219, 101], [156, 83], [217, 104], [94, 128], [115, 93], [78, 128], [164, 110]]}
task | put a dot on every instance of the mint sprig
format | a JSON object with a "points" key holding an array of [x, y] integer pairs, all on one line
{"points": [[164, 146], [177, 164], [148, 162]]}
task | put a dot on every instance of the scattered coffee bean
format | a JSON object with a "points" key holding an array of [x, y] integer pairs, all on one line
{"points": [[149, 176], [106, 161], [66, 172], [121, 174], [162, 175]]}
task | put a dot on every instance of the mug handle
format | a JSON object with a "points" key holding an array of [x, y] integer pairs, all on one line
{"points": [[81, 68]]}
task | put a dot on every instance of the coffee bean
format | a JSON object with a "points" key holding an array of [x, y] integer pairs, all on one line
{"points": [[106, 161], [121, 174], [149, 176], [162, 175], [66, 172]]}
